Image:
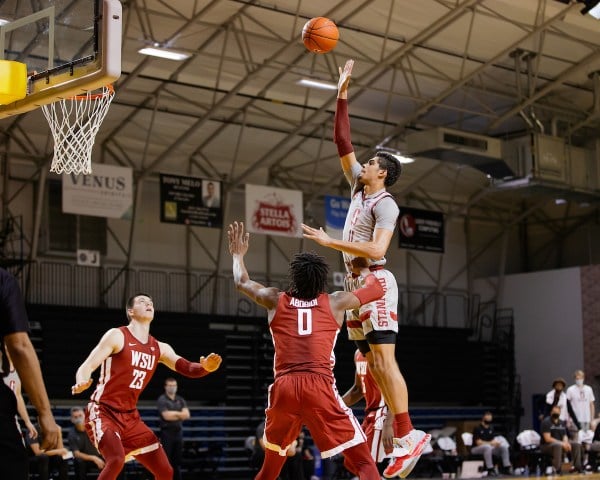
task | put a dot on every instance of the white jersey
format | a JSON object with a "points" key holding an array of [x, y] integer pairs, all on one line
{"points": [[581, 398], [365, 214]]}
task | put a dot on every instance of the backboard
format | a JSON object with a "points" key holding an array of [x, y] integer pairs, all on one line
{"points": [[69, 47]]}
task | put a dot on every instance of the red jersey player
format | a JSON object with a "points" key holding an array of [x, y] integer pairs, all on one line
{"points": [[129, 356], [377, 424], [304, 323]]}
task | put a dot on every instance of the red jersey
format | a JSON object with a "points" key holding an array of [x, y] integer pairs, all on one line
{"points": [[304, 333], [124, 375], [370, 390]]}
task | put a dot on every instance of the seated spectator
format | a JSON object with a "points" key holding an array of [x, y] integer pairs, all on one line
{"points": [[86, 456], [293, 467], [555, 442], [486, 443], [45, 462], [595, 448], [558, 397]]}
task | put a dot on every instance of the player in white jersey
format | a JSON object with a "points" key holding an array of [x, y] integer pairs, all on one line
{"points": [[368, 231]]}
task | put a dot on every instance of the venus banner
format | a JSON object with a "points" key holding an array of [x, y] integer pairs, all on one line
{"points": [[274, 211]]}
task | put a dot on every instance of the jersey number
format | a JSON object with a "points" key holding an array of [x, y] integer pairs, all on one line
{"points": [[138, 379], [304, 321]]}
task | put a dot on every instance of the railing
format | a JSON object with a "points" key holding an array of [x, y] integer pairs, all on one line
{"points": [[55, 283]]}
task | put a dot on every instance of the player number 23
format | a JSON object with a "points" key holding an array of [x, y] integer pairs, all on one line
{"points": [[304, 321], [138, 379]]}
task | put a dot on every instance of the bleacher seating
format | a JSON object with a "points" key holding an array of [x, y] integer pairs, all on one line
{"points": [[214, 436]]}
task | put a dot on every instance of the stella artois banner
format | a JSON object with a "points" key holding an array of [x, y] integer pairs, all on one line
{"points": [[274, 211]]}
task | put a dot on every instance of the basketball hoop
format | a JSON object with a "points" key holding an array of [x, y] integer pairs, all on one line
{"points": [[74, 122]]}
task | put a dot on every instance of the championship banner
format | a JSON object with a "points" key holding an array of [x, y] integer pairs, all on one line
{"points": [[421, 230], [274, 211], [336, 209], [108, 192], [190, 201]]}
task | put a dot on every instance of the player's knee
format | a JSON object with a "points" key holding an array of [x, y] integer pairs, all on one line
{"points": [[382, 362]]}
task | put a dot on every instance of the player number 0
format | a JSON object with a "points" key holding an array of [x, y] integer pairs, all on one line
{"points": [[304, 321]]}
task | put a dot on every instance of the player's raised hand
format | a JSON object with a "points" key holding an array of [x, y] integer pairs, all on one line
{"points": [[238, 240], [211, 363], [80, 387], [317, 234], [345, 75]]}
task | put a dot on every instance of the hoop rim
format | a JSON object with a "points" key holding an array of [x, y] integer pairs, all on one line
{"points": [[107, 89]]}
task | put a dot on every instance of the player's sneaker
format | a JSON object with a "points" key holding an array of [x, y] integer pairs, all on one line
{"points": [[414, 443]]}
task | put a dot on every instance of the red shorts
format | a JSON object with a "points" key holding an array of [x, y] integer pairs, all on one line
{"points": [[135, 435], [311, 400], [373, 426]]}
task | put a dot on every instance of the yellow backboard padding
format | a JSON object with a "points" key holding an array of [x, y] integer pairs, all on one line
{"points": [[13, 81]]}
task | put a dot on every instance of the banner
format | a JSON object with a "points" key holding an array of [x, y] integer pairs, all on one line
{"points": [[336, 209], [107, 192], [274, 211], [190, 201], [421, 229]]}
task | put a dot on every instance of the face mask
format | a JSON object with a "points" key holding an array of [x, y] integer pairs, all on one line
{"points": [[579, 382], [171, 390], [77, 421], [555, 416], [487, 421]]}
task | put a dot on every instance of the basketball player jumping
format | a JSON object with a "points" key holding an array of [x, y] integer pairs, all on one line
{"points": [[304, 323], [129, 356], [367, 235]]}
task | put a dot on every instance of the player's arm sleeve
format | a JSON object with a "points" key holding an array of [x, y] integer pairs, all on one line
{"points": [[371, 291], [190, 369], [341, 128]]}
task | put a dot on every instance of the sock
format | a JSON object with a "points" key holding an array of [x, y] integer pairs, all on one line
{"points": [[402, 424]]}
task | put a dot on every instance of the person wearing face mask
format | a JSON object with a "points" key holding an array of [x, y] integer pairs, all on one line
{"points": [[86, 456], [486, 443], [582, 399], [173, 411], [558, 397], [555, 441]]}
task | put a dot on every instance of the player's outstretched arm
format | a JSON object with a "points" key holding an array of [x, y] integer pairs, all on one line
{"points": [[354, 393], [239, 241], [341, 124], [375, 248], [189, 369], [111, 342], [369, 292]]}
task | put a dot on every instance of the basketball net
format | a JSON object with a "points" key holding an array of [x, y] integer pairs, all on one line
{"points": [[74, 123]]}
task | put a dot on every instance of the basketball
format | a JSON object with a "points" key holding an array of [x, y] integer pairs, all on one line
{"points": [[320, 35]]}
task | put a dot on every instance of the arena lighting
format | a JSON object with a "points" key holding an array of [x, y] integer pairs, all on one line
{"points": [[560, 201], [4, 21], [162, 52], [594, 11], [397, 155], [313, 83]]}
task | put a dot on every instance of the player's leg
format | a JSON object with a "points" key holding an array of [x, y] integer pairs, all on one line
{"points": [[112, 451], [282, 424], [157, 463], [13, 456], [334, 427]]}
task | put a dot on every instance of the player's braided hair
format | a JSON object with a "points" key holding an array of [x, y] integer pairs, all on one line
{"points": [[391, 164], [308, 275]]}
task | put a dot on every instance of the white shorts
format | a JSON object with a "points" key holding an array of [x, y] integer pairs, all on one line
{"points": [[380, 315]]}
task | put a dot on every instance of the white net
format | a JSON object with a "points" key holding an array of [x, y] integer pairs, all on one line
{"points": [[74, 123]]}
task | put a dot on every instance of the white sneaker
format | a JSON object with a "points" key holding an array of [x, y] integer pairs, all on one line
{"points": [[412, 445]]}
